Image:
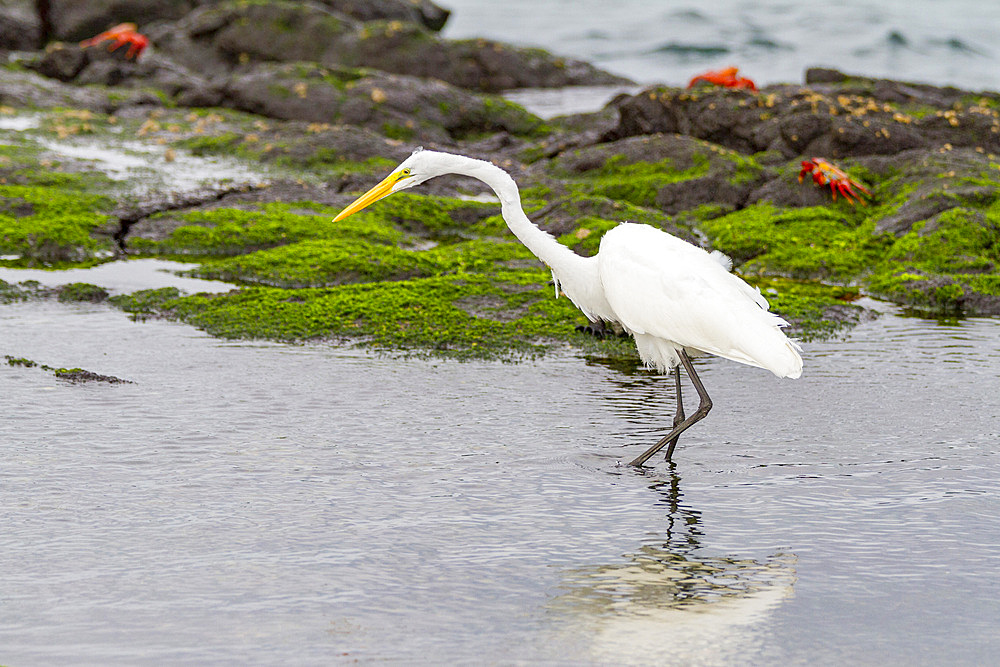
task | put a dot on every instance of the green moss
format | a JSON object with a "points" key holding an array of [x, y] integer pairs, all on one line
{"points": [[491, 226], [747, 170], [809, 243], [961, 241], [586, 238], [229, 231], [500, 113], [82, 292], [463, 314], [29, 289], [10, 293], [397, 131], [145, 302], [988, 284], [340, 261], [437, 218], [939, 264], [949, 295], [20, 361], [636, 182], [221, 144], [65, 372], [58, 225], [327, 162], [502, 314], [942, 262], [71, 374]]}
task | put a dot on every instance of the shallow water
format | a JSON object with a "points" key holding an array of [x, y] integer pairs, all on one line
{"points": [[264, 503], [122, 276], [140, 168], [150, 167]]}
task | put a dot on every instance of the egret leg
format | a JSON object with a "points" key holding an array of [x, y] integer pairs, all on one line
{"points": [[704, 405], [679, 415]]}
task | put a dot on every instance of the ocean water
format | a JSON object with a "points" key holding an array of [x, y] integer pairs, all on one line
{"points": [[943, 43], [246, 503]]}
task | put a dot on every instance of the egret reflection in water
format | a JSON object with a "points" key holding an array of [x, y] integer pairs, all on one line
{"points": [[671, 599]]}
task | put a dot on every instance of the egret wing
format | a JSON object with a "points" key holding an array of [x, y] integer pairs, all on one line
{"points": [[660, 285]]}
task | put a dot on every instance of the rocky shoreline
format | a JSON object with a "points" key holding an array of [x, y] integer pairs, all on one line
{"points": [[320, 99]]}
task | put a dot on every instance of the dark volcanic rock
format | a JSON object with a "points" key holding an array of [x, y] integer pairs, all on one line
{"points": [[355, 144], [829, 81], [217, 38], [475, 64], [940, 180], [75, 375], [61, 61], [424, 12], [824, 75], [731, 118], [73, 20], [31, 89], [717, 183], [801, 121], [68, 62], [679, 150], [788, 192], [396, 106], [79, 375], [714, 189], [20, 30]]}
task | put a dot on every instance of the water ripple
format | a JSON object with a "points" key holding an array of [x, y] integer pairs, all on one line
{"points": [[349, 506]]}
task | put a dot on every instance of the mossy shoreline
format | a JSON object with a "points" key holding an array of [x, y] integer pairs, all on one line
{"points": [[436, 271]]}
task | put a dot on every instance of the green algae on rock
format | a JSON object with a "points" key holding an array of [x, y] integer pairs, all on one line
{"points": [[73, 375], [233, 231], [81, 292], [328, 262], [671, 173], [504, 315], [146, 303], [933, 243], [52, 224]]}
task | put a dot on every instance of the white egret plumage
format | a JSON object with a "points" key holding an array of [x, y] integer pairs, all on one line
{"points": [[676, 299]]}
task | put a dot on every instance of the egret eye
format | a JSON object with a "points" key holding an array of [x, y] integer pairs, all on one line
{"points": [[404, 174]]}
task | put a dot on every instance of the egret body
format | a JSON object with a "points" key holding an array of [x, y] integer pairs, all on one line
{"points": [[677, 300]]}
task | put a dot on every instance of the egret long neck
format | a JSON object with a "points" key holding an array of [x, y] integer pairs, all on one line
{"points": [[563, 261], [578, 276]]}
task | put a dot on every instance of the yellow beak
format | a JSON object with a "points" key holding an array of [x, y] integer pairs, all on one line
{"points": [[381, 190]]}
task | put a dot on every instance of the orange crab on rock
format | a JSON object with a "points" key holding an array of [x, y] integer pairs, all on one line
{"points": [[825, 173], [120, 35], [723, 77]]}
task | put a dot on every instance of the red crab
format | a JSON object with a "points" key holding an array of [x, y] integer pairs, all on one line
{"points": [[724, 77], [122, 34], [824, 172]]}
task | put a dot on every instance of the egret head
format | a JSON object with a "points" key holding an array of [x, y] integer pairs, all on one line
{"points": [[414, 170]]}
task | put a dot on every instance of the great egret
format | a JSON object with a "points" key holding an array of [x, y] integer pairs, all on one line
{"points": [[676, 299]]}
